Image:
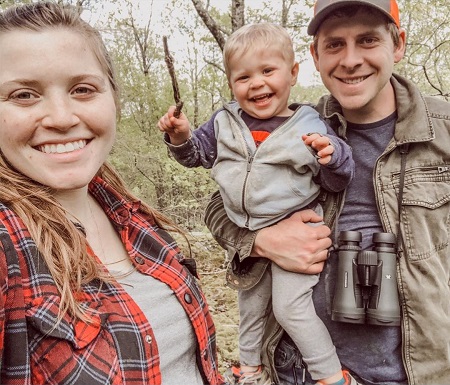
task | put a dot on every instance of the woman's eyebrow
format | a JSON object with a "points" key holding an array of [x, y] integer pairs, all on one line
{"points": [[19, 81], [84, 77]]}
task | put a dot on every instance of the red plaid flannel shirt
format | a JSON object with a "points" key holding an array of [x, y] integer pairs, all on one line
{"points": [[119, 348]]}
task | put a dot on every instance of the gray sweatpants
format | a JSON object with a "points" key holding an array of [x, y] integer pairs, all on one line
{"points": [[292, 305]]}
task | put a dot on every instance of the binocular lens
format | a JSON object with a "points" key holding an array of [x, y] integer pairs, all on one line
{"points": [[366, 287]]}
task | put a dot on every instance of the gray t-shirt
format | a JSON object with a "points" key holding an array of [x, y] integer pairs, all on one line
{"points": [[373, 352], [173, 331]]}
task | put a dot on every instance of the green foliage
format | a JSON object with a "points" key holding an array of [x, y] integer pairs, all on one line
{"points": [[309, 94], [129, 29], [140, 153], [427, 60], [7, 3]]}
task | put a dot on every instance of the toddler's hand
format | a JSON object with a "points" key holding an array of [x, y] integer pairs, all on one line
{"points": [[321, 144], [178, 129]]}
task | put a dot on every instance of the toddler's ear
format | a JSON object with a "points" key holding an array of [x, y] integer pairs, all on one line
{"points": [[294, 73]]}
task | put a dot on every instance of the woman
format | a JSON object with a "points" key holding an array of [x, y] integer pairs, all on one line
{"points": [[93, 290]]}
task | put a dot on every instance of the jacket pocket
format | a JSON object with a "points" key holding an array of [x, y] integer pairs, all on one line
{"points": [[425, 212], [71, 351]]}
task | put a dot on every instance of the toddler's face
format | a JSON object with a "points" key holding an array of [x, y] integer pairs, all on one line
{"points": [[261, 81]]}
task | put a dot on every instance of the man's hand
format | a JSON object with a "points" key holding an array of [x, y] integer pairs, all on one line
{"points": [[293, 244]]}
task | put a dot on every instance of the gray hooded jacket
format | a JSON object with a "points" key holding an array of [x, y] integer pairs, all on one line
{"points": [[261, 185]]}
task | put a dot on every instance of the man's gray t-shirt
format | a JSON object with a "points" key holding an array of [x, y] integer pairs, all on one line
{"points": [[373, 352]]}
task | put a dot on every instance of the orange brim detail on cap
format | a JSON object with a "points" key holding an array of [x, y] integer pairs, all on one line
{"points": [[395, 12]]}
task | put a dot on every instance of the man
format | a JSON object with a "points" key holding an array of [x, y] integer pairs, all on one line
{"points": [[401, 147]]}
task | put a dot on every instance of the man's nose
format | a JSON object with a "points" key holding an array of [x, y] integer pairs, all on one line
{"points": [[351, 57]]}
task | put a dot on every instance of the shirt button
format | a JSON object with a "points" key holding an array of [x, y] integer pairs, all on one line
{"points": [[148, 339], [188, 298], [205, 355], [139, 260]]}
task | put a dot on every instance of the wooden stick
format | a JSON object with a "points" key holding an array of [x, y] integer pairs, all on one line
{"points": [[176, 90]]}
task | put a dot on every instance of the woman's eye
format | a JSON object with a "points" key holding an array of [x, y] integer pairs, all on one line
{"points": [[23, 97], [82, 90]]}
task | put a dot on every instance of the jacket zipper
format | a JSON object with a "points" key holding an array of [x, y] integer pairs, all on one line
{"points": [[249, 167], [250, 159]]}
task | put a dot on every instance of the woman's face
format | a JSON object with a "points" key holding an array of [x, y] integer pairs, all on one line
{"points": [[57, 110]]}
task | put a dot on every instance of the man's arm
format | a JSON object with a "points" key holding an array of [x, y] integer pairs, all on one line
{"points": [[291, 243], [237, 241]]}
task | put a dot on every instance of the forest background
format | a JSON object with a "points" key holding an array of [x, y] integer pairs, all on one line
{"points": [[196, 32]]}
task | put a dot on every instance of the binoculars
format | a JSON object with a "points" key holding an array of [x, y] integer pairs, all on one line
{"points": [[366, 286]]}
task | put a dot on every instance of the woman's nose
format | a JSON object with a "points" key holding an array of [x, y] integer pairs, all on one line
{"points": [[59, 113]]}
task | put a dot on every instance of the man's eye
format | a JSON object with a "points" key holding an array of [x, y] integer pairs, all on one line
{"points": [[369, 40], [334, 45]]}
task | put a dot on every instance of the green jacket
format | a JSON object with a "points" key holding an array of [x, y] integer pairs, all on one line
{"points": [[423, 268]]}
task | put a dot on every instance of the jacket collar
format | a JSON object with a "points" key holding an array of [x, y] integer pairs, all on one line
{"points": [[414, 122]]}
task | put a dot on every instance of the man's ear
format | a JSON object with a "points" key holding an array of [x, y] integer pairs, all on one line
{"points": [[314, 55], [399, 50]]}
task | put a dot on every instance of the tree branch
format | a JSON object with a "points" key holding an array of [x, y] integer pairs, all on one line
{"points": [[173, 77], [210, 23]]}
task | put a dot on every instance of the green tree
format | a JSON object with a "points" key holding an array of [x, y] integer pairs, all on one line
{"points": [[146, 91], [427, 60]]}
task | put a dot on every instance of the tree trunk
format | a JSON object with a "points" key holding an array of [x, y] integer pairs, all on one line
{"points": [[237, 14]]}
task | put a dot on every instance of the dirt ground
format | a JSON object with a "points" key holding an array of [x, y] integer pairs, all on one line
{"points": [[211, 265]]}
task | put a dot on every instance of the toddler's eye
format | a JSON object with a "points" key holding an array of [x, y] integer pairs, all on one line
{"points": [[23, 95]]}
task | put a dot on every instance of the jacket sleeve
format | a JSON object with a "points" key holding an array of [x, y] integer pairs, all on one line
{"points": [[200, 149], [237, 241], [339, 172]]}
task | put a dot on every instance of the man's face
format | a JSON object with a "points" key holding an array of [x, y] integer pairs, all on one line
{"points": [[355, 57]]}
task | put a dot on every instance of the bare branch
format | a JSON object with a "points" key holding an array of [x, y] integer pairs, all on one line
{"points": [[141, 40], [210, 23]]}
